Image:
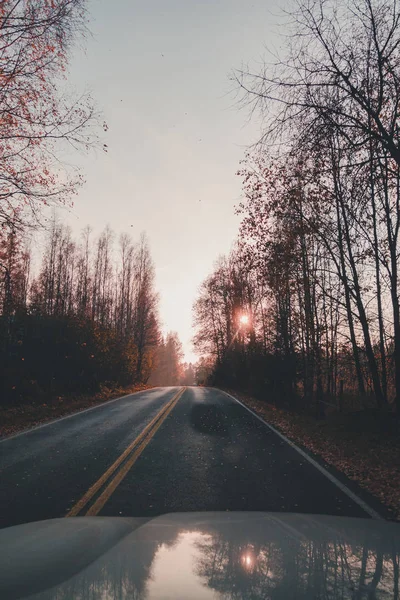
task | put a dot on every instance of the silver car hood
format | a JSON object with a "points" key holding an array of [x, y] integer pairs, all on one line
{"points": [[201, 555]]}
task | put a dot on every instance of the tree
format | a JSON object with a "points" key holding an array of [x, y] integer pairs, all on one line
{"points": [[332, 99], [15, 262], [145, 300], [35, 116], [168, 368], [85, 321], [340, 68], [203, 370], [188, 374]]}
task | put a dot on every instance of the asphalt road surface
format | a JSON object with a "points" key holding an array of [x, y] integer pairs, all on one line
{"points": [[159, 451]]}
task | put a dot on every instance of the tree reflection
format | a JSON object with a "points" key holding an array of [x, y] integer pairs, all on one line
{"points": [[124, 577], [272, 557], [235, 566]]}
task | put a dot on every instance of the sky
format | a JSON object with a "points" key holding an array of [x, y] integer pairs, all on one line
{"points": [[159, 73]]}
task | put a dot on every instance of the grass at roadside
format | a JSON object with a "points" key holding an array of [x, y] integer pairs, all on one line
{"points": [[351, 444], [14, 419]]}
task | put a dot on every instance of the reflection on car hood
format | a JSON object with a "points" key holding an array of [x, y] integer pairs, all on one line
{"points": [[201, 555]]}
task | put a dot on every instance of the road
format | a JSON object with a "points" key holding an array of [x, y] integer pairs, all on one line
{"points": [[158, 451]]}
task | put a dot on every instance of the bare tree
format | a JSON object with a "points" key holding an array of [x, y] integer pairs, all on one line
{"points": [[145, 301], [341, 68]]}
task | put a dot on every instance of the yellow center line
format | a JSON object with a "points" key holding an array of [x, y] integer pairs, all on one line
{"points": [[102, 499], [76, 509]]}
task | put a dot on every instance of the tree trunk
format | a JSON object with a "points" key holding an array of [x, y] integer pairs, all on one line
{"points": [[378, 282]]}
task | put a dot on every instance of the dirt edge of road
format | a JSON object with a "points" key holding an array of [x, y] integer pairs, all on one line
{"points": [[14, 419], [372, 462]]}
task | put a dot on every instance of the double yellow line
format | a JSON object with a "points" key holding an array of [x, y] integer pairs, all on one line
{"points": [[130, 455]]}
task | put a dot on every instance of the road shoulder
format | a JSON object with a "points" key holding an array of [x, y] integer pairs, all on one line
{"points": [[358, 462], [16, 419]]}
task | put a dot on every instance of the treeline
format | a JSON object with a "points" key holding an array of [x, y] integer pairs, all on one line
{"points": [[316, 265], [169, 366], [88, 317]]}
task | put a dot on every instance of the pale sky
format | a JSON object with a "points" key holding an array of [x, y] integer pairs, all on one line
{"points": [[159, 72]]}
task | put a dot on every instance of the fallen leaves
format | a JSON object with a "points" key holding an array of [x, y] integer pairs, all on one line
{"points": [[371, 460], [17, 418]]}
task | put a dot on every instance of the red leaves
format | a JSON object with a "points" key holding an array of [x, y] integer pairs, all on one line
{"points": [[34, 117]]}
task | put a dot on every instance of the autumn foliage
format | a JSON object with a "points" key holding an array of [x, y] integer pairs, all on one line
{"points": [[39, 117], [85, 320], [316, 263]]}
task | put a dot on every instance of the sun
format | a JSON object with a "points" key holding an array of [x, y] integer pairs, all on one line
{"points": [[248, 561], [244, 319]]}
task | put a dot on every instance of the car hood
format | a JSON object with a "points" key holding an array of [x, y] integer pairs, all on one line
{"points": [[201, 555]]}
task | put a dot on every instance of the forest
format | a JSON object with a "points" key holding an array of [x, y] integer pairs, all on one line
{"points": [[306, 305], [86, 319], [305, 308], [76, 314]]}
